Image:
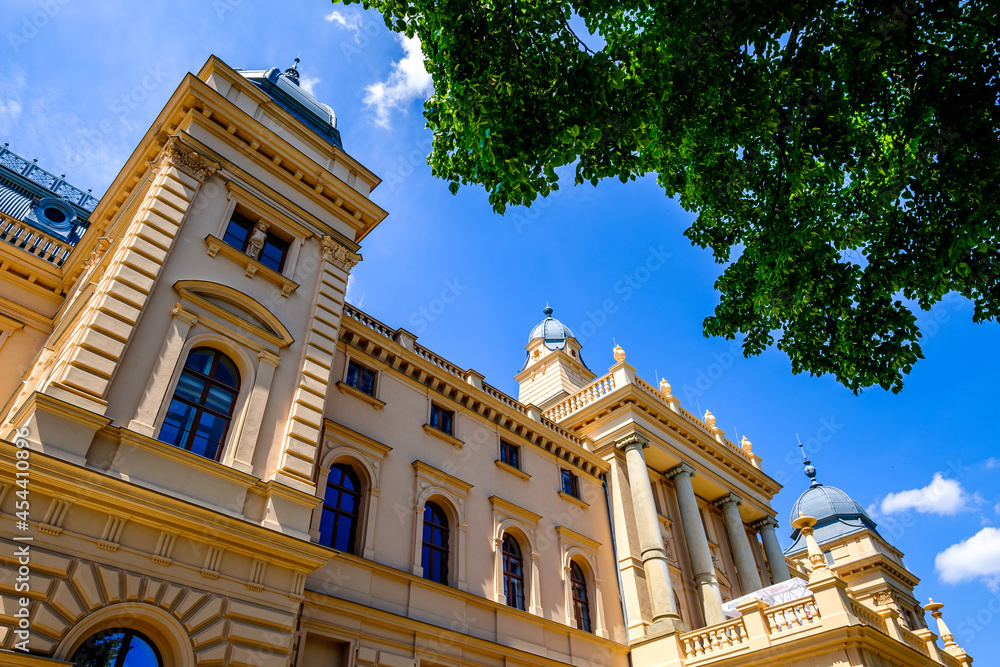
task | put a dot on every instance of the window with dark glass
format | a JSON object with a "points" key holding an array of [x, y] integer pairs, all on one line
{"points": [[361, 378], [238, 235], [441, 419], [117, 647], [513, 573], [570, 483], [510, 454], [434, 555], [338, 526], [581, 601], [202, 406]]}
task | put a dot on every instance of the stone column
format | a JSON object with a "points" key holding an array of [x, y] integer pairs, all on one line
{"points": [[746, 566], [775, 557], [694, 533], [666, 618]]}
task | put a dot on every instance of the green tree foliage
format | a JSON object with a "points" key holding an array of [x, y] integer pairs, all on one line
{"points": [[842, 155]]}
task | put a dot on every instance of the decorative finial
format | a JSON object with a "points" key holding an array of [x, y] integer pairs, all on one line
{"points": [[665, 388], [292, 73], [619, 353], [709, 419], [810, 469], [547, 310], [747, 445]]}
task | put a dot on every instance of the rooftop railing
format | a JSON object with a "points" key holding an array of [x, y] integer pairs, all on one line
{"points": [[31, 171]]}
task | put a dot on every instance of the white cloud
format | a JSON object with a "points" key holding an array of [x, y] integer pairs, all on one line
{"points": [[408, 82], [349, 22], [308, 83], [942, 496], [992, 463], [352, 292], [12, 88], [976, 558]]}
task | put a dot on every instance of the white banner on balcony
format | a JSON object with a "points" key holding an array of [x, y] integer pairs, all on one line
{"points": [[786, 591]]}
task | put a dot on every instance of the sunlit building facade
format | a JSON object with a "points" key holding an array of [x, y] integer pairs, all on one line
{"points": [[210, 458]]}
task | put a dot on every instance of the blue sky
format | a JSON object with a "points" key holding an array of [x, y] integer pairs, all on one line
{"points": [[80, 83]]}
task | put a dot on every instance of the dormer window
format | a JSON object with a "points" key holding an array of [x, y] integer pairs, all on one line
{"points": [[255, 240]]}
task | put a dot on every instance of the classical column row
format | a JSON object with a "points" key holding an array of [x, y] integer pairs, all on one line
{"points": [[651, 543]]}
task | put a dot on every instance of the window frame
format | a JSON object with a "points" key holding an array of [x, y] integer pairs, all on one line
{"points": [[437, 409], [374, 377], [581, 605], [431, 549], [506, 448], [574, 483], [269, 237], [232, 418], [122, 656], [353, 543], [510, 577]]}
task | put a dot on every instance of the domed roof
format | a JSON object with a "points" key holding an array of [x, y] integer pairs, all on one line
{"points": [[552, 330], [836, 513], [825, 502], [284, 88]]}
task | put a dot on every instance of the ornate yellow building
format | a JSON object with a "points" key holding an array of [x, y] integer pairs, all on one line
{"points": [[210, 458]]}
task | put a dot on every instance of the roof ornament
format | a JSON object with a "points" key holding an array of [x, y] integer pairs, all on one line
{"points": [[548, 311], [292, 73], [810, 469]]}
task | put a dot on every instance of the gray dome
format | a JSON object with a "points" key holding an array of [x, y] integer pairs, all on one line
{"points": [[825, 502], [836, 514], [552, 330]]}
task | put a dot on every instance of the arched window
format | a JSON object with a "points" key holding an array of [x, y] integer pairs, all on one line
{"points": [[434, 556], [117, 647], [513, 572], [338, 525], [202, 407], [581, 601]]}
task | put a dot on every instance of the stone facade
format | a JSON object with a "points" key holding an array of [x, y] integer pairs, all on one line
{"points": [[593, 522]]}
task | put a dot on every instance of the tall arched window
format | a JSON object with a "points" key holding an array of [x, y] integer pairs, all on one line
{"points": [[434, 556], [581, 601], [338, 525], [202, 407], [513, 572], [117, 647]]}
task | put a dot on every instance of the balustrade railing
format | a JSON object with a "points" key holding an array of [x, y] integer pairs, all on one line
{"points": [[791, 615], [35, 242], [367, 320], [714, 639], [593, 391], [56, 184]]}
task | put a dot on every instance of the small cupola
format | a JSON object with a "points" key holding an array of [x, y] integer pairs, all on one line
{"points": [[554, 366]]}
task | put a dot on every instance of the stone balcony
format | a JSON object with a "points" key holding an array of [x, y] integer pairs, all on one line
{"points": [[828, 622]]}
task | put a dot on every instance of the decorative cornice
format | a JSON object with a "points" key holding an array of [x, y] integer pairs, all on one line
{"points": [[176, 154], [339, 255]]}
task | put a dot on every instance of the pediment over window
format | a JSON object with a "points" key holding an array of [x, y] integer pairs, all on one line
{"points": [[236, 307]]}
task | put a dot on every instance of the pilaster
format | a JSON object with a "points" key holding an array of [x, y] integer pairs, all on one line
{"points": [[300, 443], [85, 368]]}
